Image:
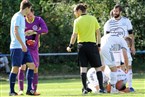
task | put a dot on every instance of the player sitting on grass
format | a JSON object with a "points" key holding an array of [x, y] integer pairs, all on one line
{"points": [[93, 85]]}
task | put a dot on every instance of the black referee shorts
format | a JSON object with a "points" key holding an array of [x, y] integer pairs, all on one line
{"points": [[88, 53]]}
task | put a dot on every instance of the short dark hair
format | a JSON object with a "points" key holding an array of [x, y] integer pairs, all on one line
{"points": [[81, 6], [32, 10], [118, 6], [111, 13], [24, 4]]}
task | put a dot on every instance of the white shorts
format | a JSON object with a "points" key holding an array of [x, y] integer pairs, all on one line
{"points": [[92, 77], [111, 59], [129, 58], [130, 62]]}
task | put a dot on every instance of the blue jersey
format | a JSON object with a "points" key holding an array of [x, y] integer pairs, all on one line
{"points": [[17, 20]]}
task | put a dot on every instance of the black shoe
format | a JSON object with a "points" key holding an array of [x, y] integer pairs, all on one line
{"points": [[102, 91], [89, 90], [84, 91], [31, 92], [13, 94]]}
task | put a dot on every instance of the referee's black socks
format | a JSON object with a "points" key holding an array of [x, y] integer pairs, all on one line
{"points": [[100, 79], [83, 78]]}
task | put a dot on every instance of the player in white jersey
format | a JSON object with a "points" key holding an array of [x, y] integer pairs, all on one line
{"points": [[123, 27], [129, 73], [121, 81], [120, 25], [92, 82], [93, 85], [111, 46]]}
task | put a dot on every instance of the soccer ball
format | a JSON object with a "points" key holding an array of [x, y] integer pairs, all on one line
{"points": [[30, 42]]}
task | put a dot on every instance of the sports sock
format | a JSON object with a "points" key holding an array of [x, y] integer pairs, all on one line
{"points": [[12, 78], [83, 78], [21, 79], [35, 81], [29, 76], [129, 78], [113, 79], [100, 79]]}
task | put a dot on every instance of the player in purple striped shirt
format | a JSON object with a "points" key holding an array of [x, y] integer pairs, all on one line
{"points": [[35, 26]]}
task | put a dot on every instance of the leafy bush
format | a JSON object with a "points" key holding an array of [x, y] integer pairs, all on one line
{"points": [[58, 15]]}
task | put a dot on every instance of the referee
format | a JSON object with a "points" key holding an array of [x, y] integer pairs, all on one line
{"points": [[86, 30]]}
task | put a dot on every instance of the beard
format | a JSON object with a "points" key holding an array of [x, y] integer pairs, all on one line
{"points": [[116, 15]]}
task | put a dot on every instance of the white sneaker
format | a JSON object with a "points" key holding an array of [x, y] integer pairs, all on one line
{"points": [[20, 92]]}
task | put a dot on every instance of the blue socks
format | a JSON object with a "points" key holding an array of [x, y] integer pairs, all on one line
{"points": [[12, 78], [29, 76]]}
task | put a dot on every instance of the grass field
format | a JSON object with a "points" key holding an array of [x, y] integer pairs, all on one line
{"points": [[60, 87]]}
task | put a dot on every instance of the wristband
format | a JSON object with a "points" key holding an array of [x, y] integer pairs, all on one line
{"points": [[99, 45], [70, 45]]}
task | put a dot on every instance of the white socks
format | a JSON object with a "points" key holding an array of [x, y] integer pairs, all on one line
{"points": [[129, 78], [113, 81]]}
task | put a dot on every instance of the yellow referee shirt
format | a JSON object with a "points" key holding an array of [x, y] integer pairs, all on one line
{"points": [[85, 26]]}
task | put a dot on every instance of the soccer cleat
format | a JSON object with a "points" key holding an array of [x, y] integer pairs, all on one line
{"points": [[13, 94], [31, 92], [36, 93], [84, 91], [89, 90], [131, 89], [102, 91], [20, 92]]}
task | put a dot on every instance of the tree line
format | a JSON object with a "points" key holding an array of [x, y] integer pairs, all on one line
{"points": [[58, 15]]}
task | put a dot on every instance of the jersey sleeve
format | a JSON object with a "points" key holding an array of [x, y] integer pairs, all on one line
{"points": [[97, 26], [43, 26], [129, 25], [17, 21], [106, 27], [75, 27]]}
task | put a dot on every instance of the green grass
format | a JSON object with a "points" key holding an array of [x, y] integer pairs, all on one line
{"points": [[72, 88]]}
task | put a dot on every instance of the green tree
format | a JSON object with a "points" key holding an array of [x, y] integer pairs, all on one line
{"points": [[59, 18]]}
